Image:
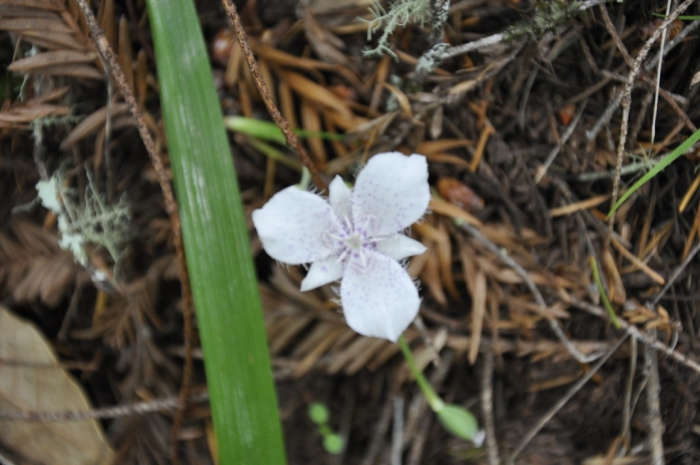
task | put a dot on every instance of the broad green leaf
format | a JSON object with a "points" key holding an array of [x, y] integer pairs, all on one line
{"points": [[224, 284]]}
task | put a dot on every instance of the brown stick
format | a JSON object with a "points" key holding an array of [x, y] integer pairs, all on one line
{"points": [[627, 101], [137, 408], [289, 136], [170, 206]]}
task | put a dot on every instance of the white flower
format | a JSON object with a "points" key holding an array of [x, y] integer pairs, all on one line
{"points": [[357, 236]]}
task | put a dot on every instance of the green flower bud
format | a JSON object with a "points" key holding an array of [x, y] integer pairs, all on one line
{"points": [[318, 413], [459, 422], [333, 443]]}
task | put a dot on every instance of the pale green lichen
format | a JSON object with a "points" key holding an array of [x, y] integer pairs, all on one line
{"points": [[91, 222], [546, 17], [401, 13]]}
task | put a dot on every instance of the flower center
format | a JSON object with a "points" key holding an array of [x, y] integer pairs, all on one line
{"points": [[353, 241]]}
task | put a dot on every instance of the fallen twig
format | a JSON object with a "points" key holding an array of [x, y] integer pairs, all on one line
{"points": [[583, 358], [170, 206], [487, 408], [137, 408], [656, 426], [633, 332], [289, 136]]}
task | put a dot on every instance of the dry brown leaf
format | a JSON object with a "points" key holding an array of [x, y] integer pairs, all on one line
{"points": [[43, 388], [359, 362], [106, 18], [356, 349], [32, 266], [92, 124], [329, 334], [54, 5], [50, 59], [444, 249], [24, 115], [557, 381], [126, 57], [380, 74], [458, 193], [318, 94], [444, 208], [615, 285], [312, 122], [39, 25], [275, 56], [52, 40], [437, 146], [430, 276], [325, 44], [141, 78], [401, 98]]}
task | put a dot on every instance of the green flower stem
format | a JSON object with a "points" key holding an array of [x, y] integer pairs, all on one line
{"points": [[603, 295], [435, 402]]}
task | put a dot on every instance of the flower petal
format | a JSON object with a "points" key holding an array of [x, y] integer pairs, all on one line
{"points": [[340, 197], [379, 299], [393, 191], [294, 226], [322, 272], [400, 246]]}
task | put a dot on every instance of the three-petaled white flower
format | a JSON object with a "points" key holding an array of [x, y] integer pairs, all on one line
{"points": [[358, 236]]}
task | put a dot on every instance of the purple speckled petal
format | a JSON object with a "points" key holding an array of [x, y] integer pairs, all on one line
{"points": [[322, 272], [393, 191], [340, 197], [294, 226], [379, 298], [399, 247]]}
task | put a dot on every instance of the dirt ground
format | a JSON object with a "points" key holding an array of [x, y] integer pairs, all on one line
{"points": [[522, 137]]}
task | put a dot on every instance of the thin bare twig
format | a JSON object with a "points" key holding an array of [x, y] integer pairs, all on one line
{"points": [[676, 273], [170, 206], [397, 431], [137, 408], [658, 80], [627, 101], [615, 102], [561, 402], [564, 138], [656, 426], [289, 135], [627, 403], [583, 358], [487, 407], [633, 332]]}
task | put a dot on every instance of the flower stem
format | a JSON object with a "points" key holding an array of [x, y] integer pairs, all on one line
{"points": [[435, 402]]}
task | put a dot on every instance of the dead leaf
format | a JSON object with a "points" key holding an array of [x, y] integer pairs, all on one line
{"points": [[49, 59], [44, 386], [92, 124], [327, 45]]}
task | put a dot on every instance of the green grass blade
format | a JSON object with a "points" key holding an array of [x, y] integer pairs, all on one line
{"points": [[680, 150], [603, 295], [224, 284], [266, 130]]}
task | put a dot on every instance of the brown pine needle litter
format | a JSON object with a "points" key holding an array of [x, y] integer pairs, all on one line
{"points": [[534, 119]]}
